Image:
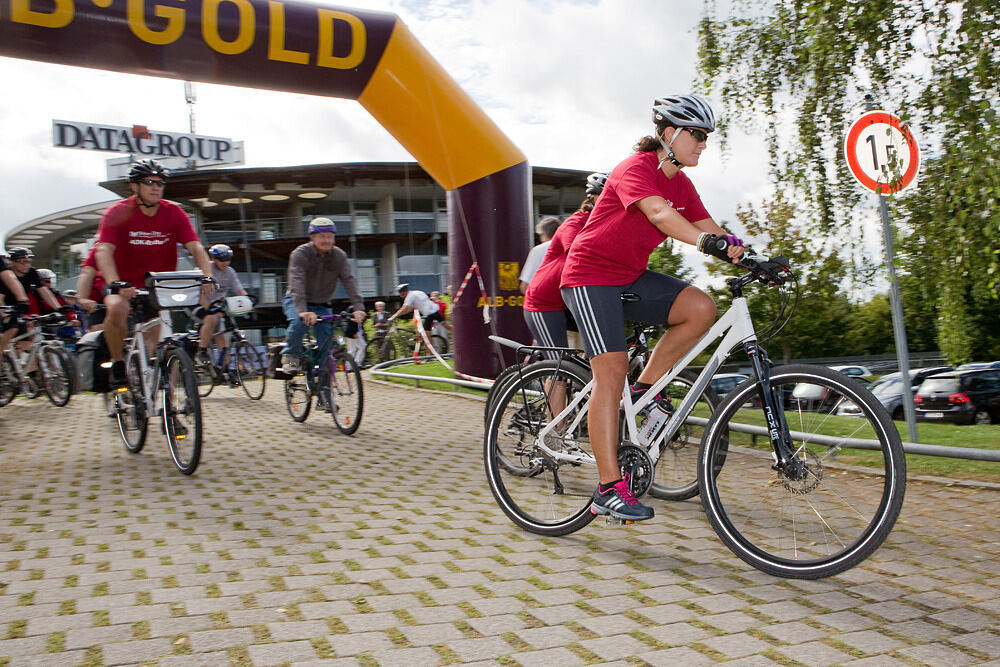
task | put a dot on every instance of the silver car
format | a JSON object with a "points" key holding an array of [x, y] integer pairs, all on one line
{"points": [[888, 389]]}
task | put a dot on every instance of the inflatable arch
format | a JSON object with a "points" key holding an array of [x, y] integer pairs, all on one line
{"points": [[337, 52]]}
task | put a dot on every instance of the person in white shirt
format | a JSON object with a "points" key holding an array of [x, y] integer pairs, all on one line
{"points": [[546, 229], [419, 301]]}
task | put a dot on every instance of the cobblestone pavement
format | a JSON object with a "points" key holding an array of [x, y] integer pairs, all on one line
{"points": [[293, 544]]}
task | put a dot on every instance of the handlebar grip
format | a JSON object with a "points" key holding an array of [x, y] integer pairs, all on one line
{"points": [[713, 245]]}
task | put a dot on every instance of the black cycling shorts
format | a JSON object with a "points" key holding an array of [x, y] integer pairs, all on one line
{"points": [[601, 313]]}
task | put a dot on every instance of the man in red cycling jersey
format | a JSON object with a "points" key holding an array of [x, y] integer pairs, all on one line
{"points": [[139, 235]]}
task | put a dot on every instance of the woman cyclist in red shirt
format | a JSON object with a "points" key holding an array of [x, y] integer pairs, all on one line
{"points": [[646, 199]]}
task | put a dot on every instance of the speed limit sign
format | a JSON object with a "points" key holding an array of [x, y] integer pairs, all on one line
{"points": [[882, 153]]}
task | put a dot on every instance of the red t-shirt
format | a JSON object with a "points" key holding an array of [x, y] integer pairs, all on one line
{"points": [[98, 285], [144, 243], [543, 294], [614, 246]]}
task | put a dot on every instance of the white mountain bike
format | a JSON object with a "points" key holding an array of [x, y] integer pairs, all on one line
{"points": [[794, 491]]}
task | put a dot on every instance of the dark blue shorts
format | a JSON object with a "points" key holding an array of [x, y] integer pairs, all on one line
{"points": [[601, 314]]}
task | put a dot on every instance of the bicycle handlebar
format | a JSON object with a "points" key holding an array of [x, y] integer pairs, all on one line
{"points": [[768, 270]]}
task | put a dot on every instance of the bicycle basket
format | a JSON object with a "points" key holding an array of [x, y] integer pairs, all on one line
{"points": [[238, 306], [173, 290]]}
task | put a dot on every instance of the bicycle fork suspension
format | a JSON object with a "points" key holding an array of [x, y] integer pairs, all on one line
{"points": [[777, 426]]}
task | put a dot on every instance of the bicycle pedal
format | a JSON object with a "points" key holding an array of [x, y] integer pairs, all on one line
{"points": [[614, 521]]}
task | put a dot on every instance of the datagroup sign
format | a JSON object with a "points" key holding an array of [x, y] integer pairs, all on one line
{"points": [[140, 141]]}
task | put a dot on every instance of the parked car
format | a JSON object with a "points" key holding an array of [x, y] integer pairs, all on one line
{"points": [[960, 397], [813, 398], [976, 365], [888, 389], [723, 383], [854, 370]]}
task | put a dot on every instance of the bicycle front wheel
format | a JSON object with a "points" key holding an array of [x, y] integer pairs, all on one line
{"points": [[542, 492], [250, 369], [298, 397], [130, 406], [181, 410], [345, 393], [833, 504], [56, 376]]}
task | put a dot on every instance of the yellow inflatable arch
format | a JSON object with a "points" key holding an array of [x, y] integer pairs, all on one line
{"points": [[322, 50]]}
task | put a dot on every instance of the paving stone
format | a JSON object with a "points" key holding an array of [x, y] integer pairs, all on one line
{"points": [[734, 621], [984, 642], [135, 651], [360, 642], [736, 645], [938, 655], [814, 654], [554, 657], [794, 633], [263, 655], [672, 657], [870, 641]]}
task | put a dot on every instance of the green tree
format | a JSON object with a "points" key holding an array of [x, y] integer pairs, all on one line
{"points": [[796, 71]]}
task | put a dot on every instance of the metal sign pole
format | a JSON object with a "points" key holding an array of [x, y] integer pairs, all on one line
{"points": [[898, 324]]}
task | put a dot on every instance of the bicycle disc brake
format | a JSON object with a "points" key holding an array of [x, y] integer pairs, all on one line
{"points": [[810, 475], [635, 462]]}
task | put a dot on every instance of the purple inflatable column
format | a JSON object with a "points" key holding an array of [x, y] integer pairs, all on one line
{"points": [[492, 213]]}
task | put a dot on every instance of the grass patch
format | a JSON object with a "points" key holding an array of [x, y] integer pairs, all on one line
{"points": [[431, 369]]}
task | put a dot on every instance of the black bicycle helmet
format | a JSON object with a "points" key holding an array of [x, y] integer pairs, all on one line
{"points": [[146, 168], [19, 253], [684, 111], [221, 252], [595, 183]]}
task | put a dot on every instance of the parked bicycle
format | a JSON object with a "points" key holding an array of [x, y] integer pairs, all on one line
{"points": [[51, 366], [241, 364], [332, 376], [397, 342], [789, 505], [164, 386]]}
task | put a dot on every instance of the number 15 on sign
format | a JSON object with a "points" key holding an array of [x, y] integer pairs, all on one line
{"points": [[882, 153]]}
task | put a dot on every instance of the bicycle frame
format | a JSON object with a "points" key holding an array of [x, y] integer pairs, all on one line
{"points": [[34, 354], [735, 327], [150, 375]]}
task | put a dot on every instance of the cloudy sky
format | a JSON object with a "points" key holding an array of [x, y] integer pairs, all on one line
{"points": [[571, 82]]}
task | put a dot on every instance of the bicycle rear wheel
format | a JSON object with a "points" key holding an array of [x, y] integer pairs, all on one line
{"points": [[537, 491], [440, 343], [8, 380], [130, 406], [56, 377], [181, 410], [381, 349], [345, 393], [250, 369], [204, 375], [298, 397], [838, 500]]}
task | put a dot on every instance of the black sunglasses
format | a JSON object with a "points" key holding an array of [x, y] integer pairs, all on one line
{"points": [[153, 182], [701, 136]]}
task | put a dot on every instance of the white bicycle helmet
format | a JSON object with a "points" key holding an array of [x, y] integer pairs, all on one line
{"points": [[681, 111], [46, 274], [684, 111], [595, 183]]}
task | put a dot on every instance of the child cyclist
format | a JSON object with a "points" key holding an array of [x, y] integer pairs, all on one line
{"points": [[646, 199]]}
